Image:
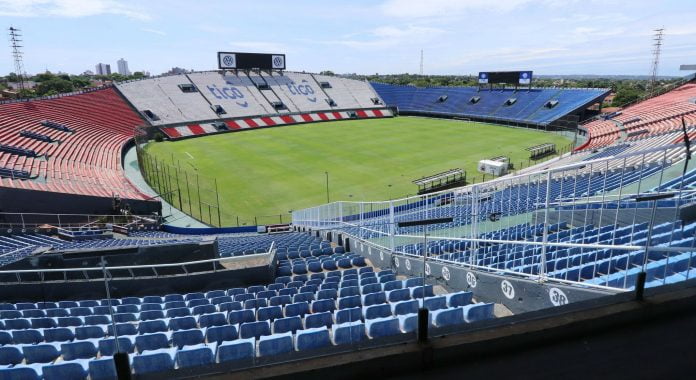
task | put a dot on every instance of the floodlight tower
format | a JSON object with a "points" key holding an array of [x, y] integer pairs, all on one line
{"points": [[421, 63], [657, 47], [15, 44]]}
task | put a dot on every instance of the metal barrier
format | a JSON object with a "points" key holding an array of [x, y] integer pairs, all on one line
{"points": [[597, 222]]}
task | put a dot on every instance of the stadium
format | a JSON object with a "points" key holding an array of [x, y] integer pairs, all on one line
{"points": [[256, 222]]}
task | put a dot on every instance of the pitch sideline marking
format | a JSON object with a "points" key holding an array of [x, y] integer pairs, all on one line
{"points": [[189, 154]]}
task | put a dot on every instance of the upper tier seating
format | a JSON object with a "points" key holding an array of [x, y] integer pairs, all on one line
{"points": [[248, 100], [654, 116], [529, 107], [86, 162], [235, 93], [166, 100]]}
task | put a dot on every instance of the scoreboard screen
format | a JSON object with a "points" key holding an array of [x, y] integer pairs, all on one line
{"points": [[248, 61], [506, 77]]}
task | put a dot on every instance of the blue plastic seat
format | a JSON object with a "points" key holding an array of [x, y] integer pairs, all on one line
{"points": [[349, 315], [218, 334], [43, 323], [269, 313], [18, 324], [89, 332], [275, 344], [405, 307], [151, 315], [239, 349], [287, 324], [27, 336], [97, 320], [195, 356], [154, 341], [154, 361], [381, 327], [54, 313], [349, 302], [459, 299], [122, 329], [229, 306], [213, 319], [40, 353], [297, 308], [203, 309], [83, 349], [319, 319], [420, 291], [323, 305], [184, 323], [312, 338], [255, 303], [150, 306], [409, 322], [187, 337], [435, 303], [107, 346], [478, 312], [377, 311], [254, 329], [374, 299], [280, 300], [448, 317], [349, 333], [22, 372], [10, 355], [240, 316], [175, 304], [149, 327], [102, 368], [58, 334], [397, 295]]}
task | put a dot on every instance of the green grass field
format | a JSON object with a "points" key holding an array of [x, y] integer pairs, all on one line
{"points": [[274, 170]]}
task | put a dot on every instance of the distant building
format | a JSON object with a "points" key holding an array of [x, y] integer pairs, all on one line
{"points": [[103, 69], [123, 67], [178, 70], [88, 73]]}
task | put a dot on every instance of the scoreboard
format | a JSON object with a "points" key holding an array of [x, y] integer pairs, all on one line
{"points": [[248, 61], [505, 77]]}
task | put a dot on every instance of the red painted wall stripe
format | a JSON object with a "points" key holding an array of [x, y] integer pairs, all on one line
{"points": [[268, 121], [288, 119], [361, 113], [172, 132], [337, 115], [307, 118], [323, 116], [232, 124], [196, 129], [378, 113], [251, 123]]}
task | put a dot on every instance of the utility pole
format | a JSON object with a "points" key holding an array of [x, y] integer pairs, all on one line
{"points": [[15, 44]]}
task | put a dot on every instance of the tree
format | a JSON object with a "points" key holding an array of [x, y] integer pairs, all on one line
{"points": [[327, 72], [54, 86], [625, 95]]}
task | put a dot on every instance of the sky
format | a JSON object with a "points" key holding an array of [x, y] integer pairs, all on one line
{"points": [[550, 37]]}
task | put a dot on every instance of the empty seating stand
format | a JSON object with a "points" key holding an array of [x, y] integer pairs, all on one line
{"points": [[75, 339]]}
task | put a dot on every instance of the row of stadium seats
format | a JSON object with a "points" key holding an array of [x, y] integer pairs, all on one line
{"points": [[87, 160], [530, 106], [242, 95], [326, 309], [654, 116]]}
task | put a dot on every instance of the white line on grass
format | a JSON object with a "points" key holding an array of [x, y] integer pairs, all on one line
{"points": [[189, 154]]}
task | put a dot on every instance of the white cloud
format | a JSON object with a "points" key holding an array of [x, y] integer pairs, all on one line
{"points": [[442, 8], [154, 31], [70, 8]]}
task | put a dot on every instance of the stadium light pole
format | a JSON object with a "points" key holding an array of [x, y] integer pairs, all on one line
{"points": [[327, 187]]}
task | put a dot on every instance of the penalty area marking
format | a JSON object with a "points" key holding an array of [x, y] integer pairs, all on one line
{"points": [[189, 154]]}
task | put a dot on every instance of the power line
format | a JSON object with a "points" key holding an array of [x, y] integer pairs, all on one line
{"points": [[15, 44]]}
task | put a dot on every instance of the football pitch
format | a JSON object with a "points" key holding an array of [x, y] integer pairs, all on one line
{"points": [[271, 171]]}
